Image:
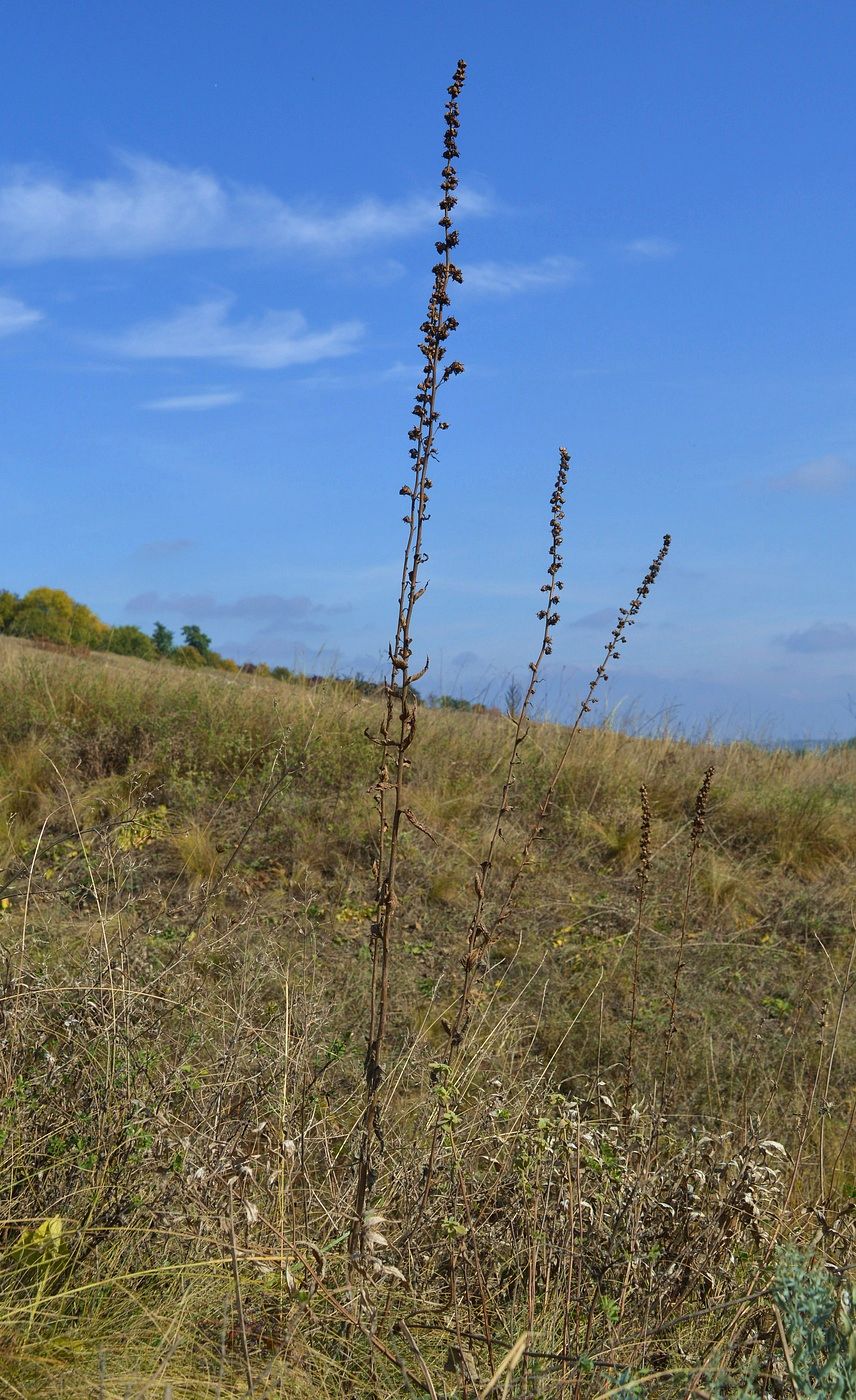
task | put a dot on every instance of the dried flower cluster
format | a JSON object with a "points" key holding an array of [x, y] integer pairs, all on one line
{"points": [[555, 585], [644, 841], [700, 813], [626, 618]]}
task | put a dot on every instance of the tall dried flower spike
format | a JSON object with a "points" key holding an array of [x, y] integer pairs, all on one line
{"points": [[479, 934], [626, 618], [554, 587], [399, 721]]}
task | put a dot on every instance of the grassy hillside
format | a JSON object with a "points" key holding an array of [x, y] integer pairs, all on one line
{"points": [[186, 891]]}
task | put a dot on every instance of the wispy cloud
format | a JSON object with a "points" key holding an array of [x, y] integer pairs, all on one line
{"points": [[194, 403], [162, 549], [16, 316], [604, 617], [507, 278], [822, 476], [271, 610], [148, 207], [650, 249], [204, 332], [821, 637], [398, 370]]}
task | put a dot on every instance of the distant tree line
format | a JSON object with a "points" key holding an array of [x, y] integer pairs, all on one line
{"points": [[51, 615]]}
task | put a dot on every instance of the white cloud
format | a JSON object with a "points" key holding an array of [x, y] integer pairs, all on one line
{"points": [[204, 332], [822, 476], [650, 249], [149, 207], [507, 278], [194, 403], [16, 316]]}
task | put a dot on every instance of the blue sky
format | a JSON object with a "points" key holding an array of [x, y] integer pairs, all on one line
{"points": [[216, 229]]}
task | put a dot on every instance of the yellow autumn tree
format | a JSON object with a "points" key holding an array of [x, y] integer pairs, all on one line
{"points": [[9, 604], [52, 615]]}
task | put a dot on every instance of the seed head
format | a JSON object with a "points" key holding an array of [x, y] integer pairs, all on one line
{"points": [[701, 807]]}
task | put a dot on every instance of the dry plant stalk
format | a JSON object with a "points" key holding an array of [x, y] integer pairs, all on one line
{"points": [[642, 871], [478, 933], [399, 722], [481, 934], [696, 833], [486, 933]]}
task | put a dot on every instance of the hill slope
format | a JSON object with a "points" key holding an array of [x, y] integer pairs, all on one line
{"points": [[186, 893]]}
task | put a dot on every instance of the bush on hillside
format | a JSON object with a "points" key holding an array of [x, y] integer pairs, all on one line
{"points": [[8, 607], [188, 656], [51, 615], [220, 663], [131, 641], [450, 702]]}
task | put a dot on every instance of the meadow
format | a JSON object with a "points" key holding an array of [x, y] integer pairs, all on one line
{"points": [[355, 1047], [186, 891]]}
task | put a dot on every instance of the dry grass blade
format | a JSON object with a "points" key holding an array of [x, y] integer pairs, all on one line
{"points": [[506, 1367]]}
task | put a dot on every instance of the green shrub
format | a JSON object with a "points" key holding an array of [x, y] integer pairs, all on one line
{"points": [[8, 608], [819, 1327], [220, 663], [450, 702], [130, 641], [188, 656]]}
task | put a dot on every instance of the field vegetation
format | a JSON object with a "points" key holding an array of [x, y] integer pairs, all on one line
{"points": [[186, 890], [351, 1047]]}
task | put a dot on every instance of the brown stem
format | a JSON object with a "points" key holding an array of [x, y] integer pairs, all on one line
{"points": [[696, 834], [641, 886]]}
